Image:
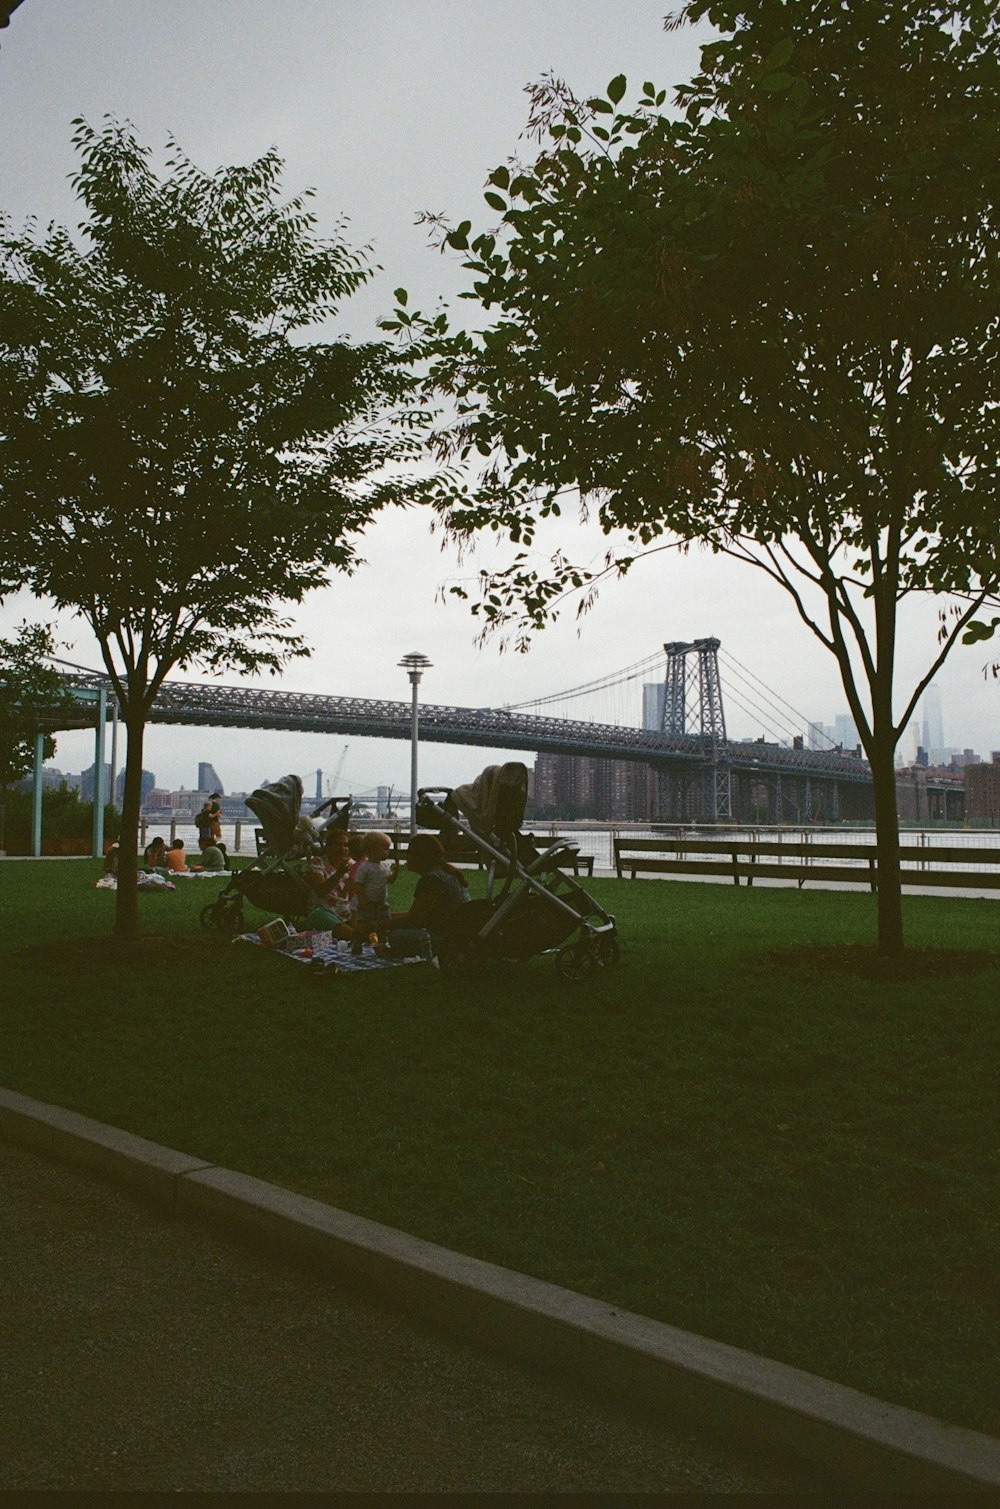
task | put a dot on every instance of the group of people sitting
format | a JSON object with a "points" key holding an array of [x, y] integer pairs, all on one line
{"points": [[350, 880], [171, 859]]}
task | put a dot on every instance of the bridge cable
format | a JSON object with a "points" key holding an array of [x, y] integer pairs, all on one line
{"points": [[602, 683], [753, 711], [74, 667], [805, 723], [750, 694]]}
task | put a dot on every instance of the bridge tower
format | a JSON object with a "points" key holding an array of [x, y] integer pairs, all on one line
{"points": [[692, 704]]}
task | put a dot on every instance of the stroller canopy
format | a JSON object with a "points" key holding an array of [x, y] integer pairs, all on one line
{"points": [[277, 805], [494, 802]]}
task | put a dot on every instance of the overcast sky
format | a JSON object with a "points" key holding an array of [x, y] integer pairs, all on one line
{"points": [[387, 108]]}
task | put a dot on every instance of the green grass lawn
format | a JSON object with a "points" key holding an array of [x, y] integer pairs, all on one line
{"points": [[730, 1131]]}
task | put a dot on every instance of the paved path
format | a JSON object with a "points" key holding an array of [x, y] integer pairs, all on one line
{"points": [[146, 1354]]}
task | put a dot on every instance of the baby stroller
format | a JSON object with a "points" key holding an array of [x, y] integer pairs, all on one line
{"points": [[274, 882], [532, 906]]}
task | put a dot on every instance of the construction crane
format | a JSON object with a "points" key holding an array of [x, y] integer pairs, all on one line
{"points": [[332, 788]]}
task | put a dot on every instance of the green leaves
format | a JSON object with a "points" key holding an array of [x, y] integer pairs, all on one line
{"points": [[766, 321], [978, 631], [178, 457], [779, 55], [31, 693], [458, 239]]}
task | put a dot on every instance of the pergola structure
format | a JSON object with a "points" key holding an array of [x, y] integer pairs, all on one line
{"points": [[90, 710]]}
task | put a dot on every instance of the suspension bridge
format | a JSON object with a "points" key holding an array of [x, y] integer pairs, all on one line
{"points": [[680, 735]]}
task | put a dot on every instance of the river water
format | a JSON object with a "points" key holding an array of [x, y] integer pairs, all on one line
{"points": [[597, 838]]}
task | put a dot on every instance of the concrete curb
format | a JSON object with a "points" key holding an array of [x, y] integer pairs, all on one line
{"points": [[848, 1436]]}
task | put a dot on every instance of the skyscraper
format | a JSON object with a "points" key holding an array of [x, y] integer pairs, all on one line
{"points": [[208, 778], [87, 783], [845, 731], [653, 693], [933, 725], [148, 782]]}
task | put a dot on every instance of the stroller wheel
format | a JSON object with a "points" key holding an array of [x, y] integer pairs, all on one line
{"points": [[233, 922], [608, 950], [227, 916], [577, 960]]}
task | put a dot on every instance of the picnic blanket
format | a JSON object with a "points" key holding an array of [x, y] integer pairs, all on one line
{"points": [[322, 952], [144, 881], [197, 874]]}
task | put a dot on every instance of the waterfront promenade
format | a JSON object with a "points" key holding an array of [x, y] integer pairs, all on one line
{"points": [[596, 839]]}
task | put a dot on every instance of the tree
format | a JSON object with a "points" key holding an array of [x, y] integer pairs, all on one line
{"points": [[30, 693], [177, 458], [765, 323]]}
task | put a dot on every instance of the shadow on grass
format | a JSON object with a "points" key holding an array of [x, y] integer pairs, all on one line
{"points": [[864, 962]]}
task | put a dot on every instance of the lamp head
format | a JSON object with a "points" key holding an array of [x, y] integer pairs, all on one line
{"points": [[415, 664]]}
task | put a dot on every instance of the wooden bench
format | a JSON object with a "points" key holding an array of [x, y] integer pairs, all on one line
{"points": [[467, 854], [572, 859], [461, 854], [803, 860]]}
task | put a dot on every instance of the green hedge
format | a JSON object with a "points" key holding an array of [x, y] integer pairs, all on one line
{"points": [[67, 823]]}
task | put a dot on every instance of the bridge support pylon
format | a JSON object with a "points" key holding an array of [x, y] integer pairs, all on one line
{"points": [[692, 703]]}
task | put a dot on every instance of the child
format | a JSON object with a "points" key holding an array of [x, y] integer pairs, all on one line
{"points": [[370, 885], [356, 849]]}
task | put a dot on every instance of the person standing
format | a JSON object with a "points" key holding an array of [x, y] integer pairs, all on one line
{"points": [[205, 823], [215, 813], [372, 879]]}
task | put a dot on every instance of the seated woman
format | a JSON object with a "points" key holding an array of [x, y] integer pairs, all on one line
{"points": [[328, 877], [440, 891], [153, 854]]}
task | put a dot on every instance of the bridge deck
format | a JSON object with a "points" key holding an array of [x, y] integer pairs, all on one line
{"points": [[492, 728]]}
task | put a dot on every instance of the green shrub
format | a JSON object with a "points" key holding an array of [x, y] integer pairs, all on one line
{"points": [[67, 823]]}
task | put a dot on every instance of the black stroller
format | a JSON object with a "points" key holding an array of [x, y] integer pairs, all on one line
{"points": [[532, 906], [274, 882]]}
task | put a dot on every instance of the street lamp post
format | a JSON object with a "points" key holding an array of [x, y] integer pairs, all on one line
{"points": [[414, 665]]}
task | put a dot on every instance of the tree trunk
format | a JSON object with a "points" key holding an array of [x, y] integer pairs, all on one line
{"points": [[890, 895], [127, 900]]}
